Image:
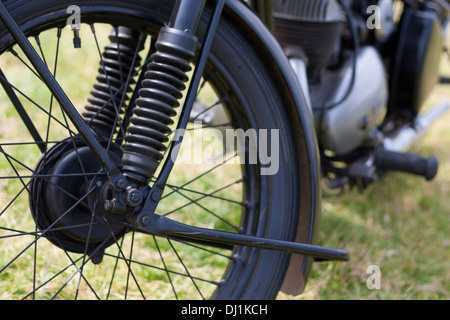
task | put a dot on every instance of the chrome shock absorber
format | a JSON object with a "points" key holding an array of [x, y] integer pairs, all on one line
{"points": [[110, 92], [147, 136]]}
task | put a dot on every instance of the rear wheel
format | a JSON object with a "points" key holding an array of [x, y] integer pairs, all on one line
{"points": [[57, 239]]}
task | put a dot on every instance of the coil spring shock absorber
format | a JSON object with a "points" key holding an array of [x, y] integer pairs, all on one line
{"points": [[110, 93], [145, 142]]}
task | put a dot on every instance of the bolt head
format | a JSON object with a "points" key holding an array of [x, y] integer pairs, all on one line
{"points": [[145, 220], [121, 183], [134, 197]]}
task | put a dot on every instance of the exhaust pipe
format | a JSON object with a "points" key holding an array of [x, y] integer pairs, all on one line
{"points": [[392, 155], [407, 136]]}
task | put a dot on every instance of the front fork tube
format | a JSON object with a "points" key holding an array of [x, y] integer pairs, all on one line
{"points": [[162, 89], [176, 48]]}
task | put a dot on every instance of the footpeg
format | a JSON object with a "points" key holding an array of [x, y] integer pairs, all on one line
{"points": [[406, 162]]}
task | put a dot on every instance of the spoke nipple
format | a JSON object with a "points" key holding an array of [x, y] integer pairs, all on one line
{"points": [[76, 39], [236, 258], [247, 204]]}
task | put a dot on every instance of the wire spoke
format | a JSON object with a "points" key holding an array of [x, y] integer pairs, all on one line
{"points": [[130, 272], [186, 269], [199, 176], [209, 195], [103, 66], [15, 54], [47, 230], [196, 202], [218, 103], [50, 279], [47, 177], [125, 83], [36, 104], [114, 271], [163, 269], [20, 233]]}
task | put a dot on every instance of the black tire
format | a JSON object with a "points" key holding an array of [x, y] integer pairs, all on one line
{"points": [[269, 204]]}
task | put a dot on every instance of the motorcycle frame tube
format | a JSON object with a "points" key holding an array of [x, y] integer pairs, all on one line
{"points": [[263, 41]]}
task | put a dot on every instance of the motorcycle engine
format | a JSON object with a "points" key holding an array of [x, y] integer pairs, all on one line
{"points": [[354, 83], [309, 27]]}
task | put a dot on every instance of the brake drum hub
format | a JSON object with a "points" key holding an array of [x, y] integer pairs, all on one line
{"points": [[67, 196]]}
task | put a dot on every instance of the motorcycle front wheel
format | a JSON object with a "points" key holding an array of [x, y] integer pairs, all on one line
{"points": [[57, 244]]}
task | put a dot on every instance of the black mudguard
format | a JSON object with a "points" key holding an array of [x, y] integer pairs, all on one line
{"points": [[278, 65]]}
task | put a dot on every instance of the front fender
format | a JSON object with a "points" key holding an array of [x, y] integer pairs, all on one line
{"points": [[300, 116]]}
